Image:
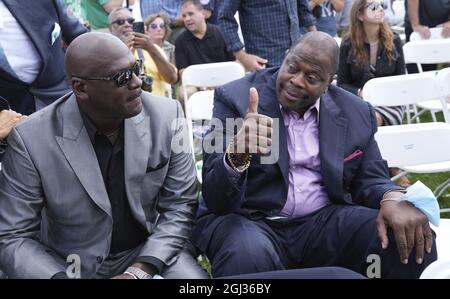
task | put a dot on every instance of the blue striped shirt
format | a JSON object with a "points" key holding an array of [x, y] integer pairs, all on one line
{"points": [[269, 27], [170, 7]]}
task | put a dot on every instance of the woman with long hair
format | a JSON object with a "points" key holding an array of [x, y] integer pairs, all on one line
{"points": [[370, 50]]}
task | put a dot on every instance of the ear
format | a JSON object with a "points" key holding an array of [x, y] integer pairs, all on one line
{"points": [[360, 16], [79, 88]]}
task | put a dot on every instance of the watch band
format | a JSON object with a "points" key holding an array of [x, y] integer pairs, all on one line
{"points": [[137, 273]]}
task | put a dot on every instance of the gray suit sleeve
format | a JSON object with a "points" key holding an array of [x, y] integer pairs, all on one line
{"points": [[177, 202], [22, 255]]}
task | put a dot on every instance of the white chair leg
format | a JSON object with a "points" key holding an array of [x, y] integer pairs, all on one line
{"points": [[433, 115], [441, 188], [399, 175]]}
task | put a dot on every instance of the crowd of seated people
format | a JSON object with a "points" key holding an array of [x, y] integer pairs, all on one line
{"points": [[90, 110]]}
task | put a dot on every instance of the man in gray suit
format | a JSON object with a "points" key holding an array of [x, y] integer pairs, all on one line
{"points": [[99, 169]]}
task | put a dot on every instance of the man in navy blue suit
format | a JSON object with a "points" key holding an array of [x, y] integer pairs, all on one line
{"points": [[326, 201], [31, 56]]}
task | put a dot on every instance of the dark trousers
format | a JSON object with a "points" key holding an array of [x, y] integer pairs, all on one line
{"points": [[337, 235], [310, 273]]}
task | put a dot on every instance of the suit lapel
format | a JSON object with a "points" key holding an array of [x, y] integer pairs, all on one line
{"points": [[25, 16], [332, 134], [269, 105], [137, 148], [79, 152]]}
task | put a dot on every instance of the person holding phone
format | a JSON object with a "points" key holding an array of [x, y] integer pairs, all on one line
{"points": [[155, 62]]}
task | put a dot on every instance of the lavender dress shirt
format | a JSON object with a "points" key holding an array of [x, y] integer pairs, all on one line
{"points": [[306, 194]]}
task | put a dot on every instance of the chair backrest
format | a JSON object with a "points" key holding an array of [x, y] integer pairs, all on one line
{"points": [[435, 34], [427, 51], [414, 144], [401, 89], [212, 74], [206, 75], [200, 105]]}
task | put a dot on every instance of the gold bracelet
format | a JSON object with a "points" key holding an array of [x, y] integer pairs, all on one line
{"points": [[237, 165]]}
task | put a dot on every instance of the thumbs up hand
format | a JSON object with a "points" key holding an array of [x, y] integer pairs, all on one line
{"points": [[255, 135]]}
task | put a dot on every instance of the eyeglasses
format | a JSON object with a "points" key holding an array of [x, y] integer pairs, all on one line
{"points": [[122, 78], [120, 22], [155, 26], [375, 5]]}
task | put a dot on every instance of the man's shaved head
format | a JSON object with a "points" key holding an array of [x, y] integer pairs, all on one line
{"points": [[92, 54], [94, 61], [323, 43]]}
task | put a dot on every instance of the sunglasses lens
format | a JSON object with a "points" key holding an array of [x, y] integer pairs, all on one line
{"points": [[155, 26], [136, 69], [124, 77], [121, 79], [120, 22]]}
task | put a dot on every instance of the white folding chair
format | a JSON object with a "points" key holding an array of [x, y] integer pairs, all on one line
{"points": [[199, 108], [424, 52], [211, 75], [435, 34], [405, 90], [441, 267], [401, 90], [207, 75], [416, 148]]}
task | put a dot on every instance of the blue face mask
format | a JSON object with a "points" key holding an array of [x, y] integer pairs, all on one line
{"points": [[423, 198]]}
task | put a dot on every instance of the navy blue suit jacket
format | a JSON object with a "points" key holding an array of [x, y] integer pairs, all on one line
{"points": [[37, 19], [346, 124]]}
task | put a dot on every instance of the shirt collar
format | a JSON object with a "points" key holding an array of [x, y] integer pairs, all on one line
{"points": [[208, 34], [290, 116], [91, 130]]}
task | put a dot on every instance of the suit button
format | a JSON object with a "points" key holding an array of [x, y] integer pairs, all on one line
{"points": [[99, 259]]}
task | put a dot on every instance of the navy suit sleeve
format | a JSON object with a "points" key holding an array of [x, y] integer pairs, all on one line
{"points": [[221, 195], [70, 26], [371, 180]]}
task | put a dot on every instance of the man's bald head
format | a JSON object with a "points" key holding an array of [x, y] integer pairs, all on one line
{"points": [[93, 54], [321, 43]]}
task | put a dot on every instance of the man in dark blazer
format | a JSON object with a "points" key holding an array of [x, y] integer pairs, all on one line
{"points": [[328, 196], [31, 54]]}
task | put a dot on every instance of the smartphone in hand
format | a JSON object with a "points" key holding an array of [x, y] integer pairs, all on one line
{"points": [[138, 27]]}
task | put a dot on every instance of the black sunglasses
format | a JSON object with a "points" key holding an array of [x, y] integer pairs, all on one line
{"points": [[120, 22], [122, 78]]}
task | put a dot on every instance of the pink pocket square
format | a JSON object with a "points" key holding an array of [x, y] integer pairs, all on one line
{"points": [[353, 155]]}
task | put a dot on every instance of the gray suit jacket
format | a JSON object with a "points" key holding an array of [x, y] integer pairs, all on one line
{"points": [[51, 164]]}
